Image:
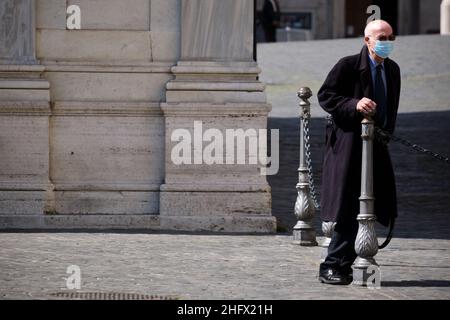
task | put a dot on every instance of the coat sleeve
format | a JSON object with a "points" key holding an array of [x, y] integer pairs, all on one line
{"points": [[333, 98]]}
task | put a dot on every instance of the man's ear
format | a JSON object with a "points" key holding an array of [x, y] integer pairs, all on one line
{"points": [[366, 40]]}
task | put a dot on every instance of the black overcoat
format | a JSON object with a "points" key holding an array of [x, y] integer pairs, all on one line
{"points": [[348, 82]]}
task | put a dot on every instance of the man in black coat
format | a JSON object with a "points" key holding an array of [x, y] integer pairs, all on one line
{"points": [[358, 86]]}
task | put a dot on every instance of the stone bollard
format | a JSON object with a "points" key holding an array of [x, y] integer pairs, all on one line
{"points": [[327, 229], [304, 233], [445, 17], [366, 244]]}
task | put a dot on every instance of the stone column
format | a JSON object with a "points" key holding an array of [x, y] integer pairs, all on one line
{"points": [[445, 17], [408, 17], [17, 32], [215, 87], [25, 188], [338, 9]]}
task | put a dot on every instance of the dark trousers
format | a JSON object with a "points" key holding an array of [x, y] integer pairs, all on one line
{"points": [[341, 251]]}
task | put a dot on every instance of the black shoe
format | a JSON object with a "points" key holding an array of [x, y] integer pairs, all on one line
{"points": [[331, 276], [348, 275], [349, 278]]}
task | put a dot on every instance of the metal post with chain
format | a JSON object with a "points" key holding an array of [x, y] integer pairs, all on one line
{"points": [[327, 226], [304, 233], [381, 136], [307, 199]]}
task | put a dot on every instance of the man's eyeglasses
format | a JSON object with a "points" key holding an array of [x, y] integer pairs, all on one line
{"points": [[386, 38]]}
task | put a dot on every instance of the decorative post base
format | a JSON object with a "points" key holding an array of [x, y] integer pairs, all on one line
{"points": [[327, 229], [304, 234], [362, 272]]}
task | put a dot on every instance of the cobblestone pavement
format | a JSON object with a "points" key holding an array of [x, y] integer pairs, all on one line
{"points": [[208, 267], [416, 265]]}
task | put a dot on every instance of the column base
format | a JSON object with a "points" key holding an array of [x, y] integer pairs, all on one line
{"points": [[223, 224], [365, 271], [80, 222], [304, 235], [216, 211]]}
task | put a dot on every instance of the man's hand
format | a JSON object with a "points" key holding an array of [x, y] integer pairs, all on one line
{"points": [[366, 106]]}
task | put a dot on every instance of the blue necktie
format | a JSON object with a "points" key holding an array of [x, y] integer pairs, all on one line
{"points": [[380, 99]]}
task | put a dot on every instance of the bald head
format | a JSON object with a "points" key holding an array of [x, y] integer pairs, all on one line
{"points": [[377, 27]]}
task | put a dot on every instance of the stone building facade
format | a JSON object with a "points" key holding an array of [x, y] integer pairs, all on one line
{"points": [[87, 115], [329, 19]]}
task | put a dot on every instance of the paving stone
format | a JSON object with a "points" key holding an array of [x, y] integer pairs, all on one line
{"points": [[33, 265]]}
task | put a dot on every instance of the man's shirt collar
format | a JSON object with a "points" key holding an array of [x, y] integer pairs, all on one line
{"points": [[373, 63]]}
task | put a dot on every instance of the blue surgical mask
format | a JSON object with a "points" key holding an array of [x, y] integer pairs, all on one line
{"points": [[383, 48]]}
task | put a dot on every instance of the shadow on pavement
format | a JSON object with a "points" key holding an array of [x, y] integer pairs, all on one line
{"points": [[423, 182], [416, 283]]}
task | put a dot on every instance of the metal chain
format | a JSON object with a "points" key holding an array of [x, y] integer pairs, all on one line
{"points": [[383, 136], [312, 188]]}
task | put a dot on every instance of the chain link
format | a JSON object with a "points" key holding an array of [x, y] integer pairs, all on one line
{"points": [[312, 187], [384, 137]]}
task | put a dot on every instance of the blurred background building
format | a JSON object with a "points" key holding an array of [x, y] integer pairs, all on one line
{"points": [[329, 19]]}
